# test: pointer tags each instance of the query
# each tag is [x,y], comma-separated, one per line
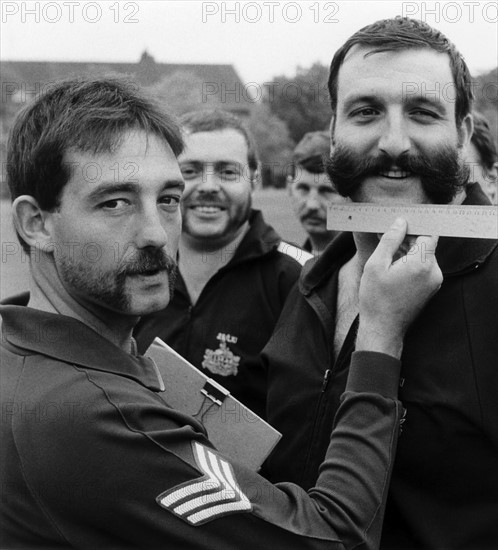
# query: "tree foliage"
[273,143]
[181,92]
[302,101]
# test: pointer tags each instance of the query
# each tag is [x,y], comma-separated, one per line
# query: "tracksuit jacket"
[92,457]
[444,490]
[224,332]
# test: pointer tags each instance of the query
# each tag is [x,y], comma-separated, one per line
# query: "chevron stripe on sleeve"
[214,495]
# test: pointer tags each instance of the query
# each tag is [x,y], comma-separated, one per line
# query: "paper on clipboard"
[233,428]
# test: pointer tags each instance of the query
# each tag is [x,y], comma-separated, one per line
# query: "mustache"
[206,199]
[147,260]
[441,173]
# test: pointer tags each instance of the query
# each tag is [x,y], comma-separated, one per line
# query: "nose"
[150,230]
[209,182]
[312,201]
[394,140]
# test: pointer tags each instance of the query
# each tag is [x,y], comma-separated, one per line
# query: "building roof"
[35,74]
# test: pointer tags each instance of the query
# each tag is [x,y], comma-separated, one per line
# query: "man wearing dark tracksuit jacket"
[235,272]
[236,313]
[395,147]
[92,456]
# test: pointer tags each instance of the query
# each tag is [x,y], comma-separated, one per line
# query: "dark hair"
[85,114]
[216,119]
[483,141]
[401,33]
[314,165]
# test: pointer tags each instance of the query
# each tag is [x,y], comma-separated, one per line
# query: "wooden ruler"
[478,222]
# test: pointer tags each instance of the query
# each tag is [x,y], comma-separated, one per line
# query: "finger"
[425,247]
[391,241]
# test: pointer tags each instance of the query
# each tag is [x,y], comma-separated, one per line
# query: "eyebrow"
[217,163]
[408,99]
[424,100]
[371,99]
[110,187]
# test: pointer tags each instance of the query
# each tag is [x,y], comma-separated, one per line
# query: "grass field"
[275,205]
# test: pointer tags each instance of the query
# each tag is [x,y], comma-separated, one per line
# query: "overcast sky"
[261,39]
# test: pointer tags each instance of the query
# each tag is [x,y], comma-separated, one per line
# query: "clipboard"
[234,429]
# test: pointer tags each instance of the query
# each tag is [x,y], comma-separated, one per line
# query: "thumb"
[391,241]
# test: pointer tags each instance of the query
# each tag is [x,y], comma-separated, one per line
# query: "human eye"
[364,113]
[326,192]
[424,115]
[230,172]
[189,171]
[170,203]
[302,189]
[114,205]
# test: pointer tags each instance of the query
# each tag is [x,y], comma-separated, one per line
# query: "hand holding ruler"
[476,222]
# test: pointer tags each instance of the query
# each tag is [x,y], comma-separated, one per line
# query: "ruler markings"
[479,222]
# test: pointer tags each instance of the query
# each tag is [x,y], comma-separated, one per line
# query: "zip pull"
[325,380]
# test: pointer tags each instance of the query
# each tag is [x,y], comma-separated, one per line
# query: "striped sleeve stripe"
[215,494]
[294,252]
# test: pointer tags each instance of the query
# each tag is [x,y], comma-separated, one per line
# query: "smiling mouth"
[205,209]
[395,174]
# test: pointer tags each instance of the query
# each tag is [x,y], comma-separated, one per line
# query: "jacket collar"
[259,240]
[66,339]
[454,255]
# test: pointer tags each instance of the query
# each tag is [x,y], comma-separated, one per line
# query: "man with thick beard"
[397,141]
[235,272]
[92,455]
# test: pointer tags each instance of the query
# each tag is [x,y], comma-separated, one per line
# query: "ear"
[466,130]
[332,131]
[31,222]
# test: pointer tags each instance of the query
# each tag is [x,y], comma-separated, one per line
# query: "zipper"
[326,379]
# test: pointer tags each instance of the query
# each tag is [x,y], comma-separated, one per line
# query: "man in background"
[235,272]
[311,190]
[396,142]
[483,158]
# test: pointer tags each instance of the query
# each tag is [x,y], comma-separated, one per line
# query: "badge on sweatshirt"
[222,360]
[214,495]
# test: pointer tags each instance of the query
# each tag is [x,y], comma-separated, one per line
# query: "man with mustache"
[483,157]
[92,456]
[401,97]
[235,271]
[311,190]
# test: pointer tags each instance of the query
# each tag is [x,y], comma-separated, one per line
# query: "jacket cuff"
[374,372]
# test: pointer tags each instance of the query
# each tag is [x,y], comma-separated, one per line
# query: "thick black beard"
[441,173]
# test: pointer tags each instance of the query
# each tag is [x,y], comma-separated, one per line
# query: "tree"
[273,143]
[181,92]
[302,101]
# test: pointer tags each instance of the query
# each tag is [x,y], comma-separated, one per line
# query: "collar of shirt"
[66,339]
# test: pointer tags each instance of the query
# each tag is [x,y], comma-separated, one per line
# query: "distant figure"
[483,157]
[234,270]
[311,189]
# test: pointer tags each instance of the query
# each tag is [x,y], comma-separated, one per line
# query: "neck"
[208,252]
[48,293]
[198,261]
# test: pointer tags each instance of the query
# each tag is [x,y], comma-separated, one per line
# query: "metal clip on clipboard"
[213,391]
